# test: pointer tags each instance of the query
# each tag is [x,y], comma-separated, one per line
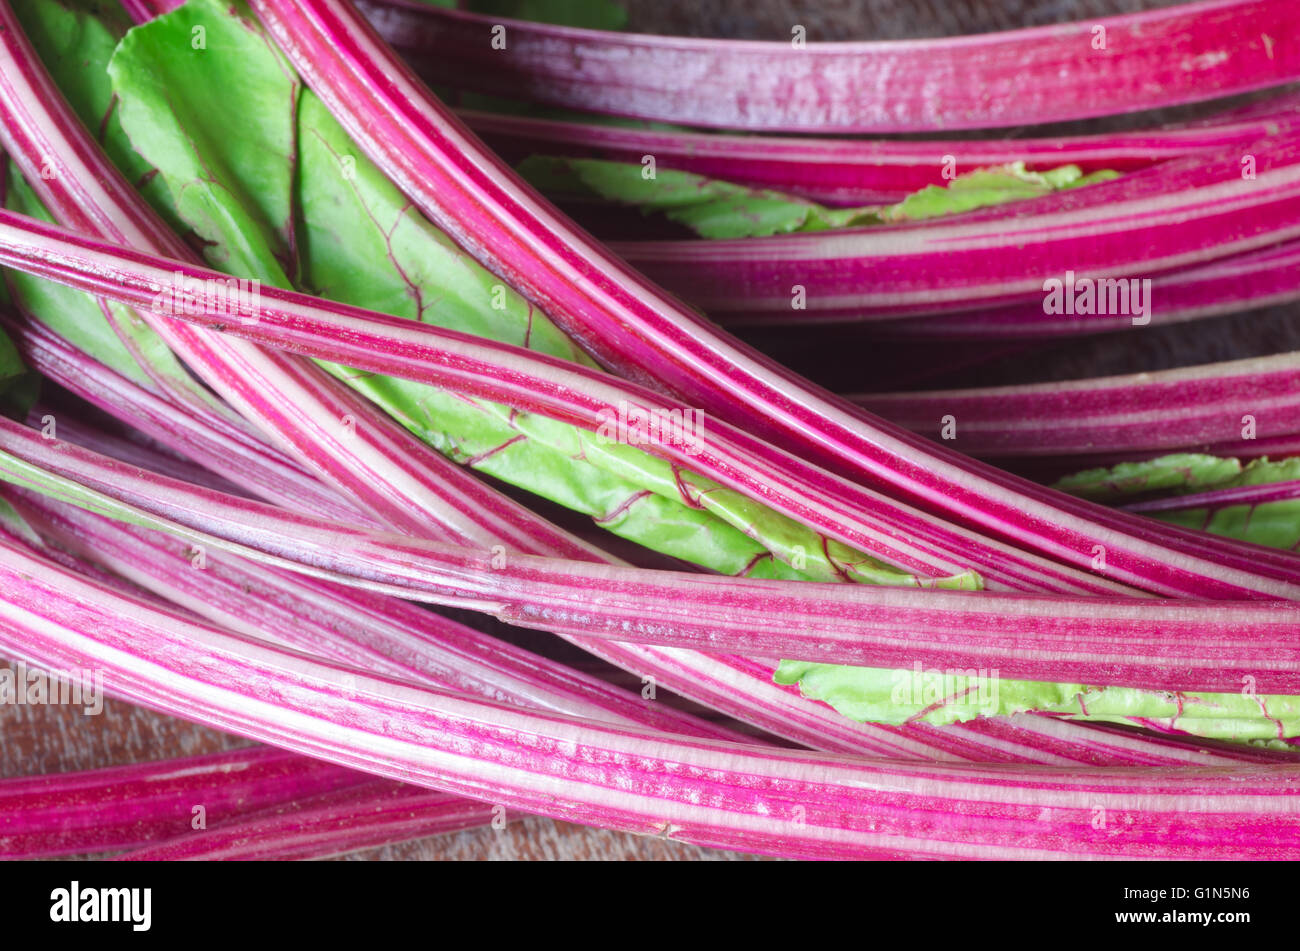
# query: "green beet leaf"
[292,201]
[939,697]
[1184,471]
[713,208]
[900,696]
[75,39]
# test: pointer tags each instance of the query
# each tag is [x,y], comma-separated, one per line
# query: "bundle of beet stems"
[292,362]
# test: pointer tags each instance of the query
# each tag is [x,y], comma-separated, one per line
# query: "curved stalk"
[855,172]
[633,327]
[122,807]
[1161,645]
[708,793]
[1186,53]
[1138,412]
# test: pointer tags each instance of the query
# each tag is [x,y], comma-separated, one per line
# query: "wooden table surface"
[50,739]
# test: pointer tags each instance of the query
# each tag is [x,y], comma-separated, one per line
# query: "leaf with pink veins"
[358,240]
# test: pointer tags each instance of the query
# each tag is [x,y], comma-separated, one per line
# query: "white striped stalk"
[1226,286]
[383,813]
[124,807]
[370,632]
[136,450]
[103,810]
[562,390]
[1030,740]
[383,635]
[634,328]
[708,793]
[868,171]
[738,687]
[245,462]
[1215,499]
[1183,213]
[759,684]
[109,201]
[377,813]
[1136,412]
[336,434]
[1162,645]
[576,395]
[1187,53]
[446,501]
